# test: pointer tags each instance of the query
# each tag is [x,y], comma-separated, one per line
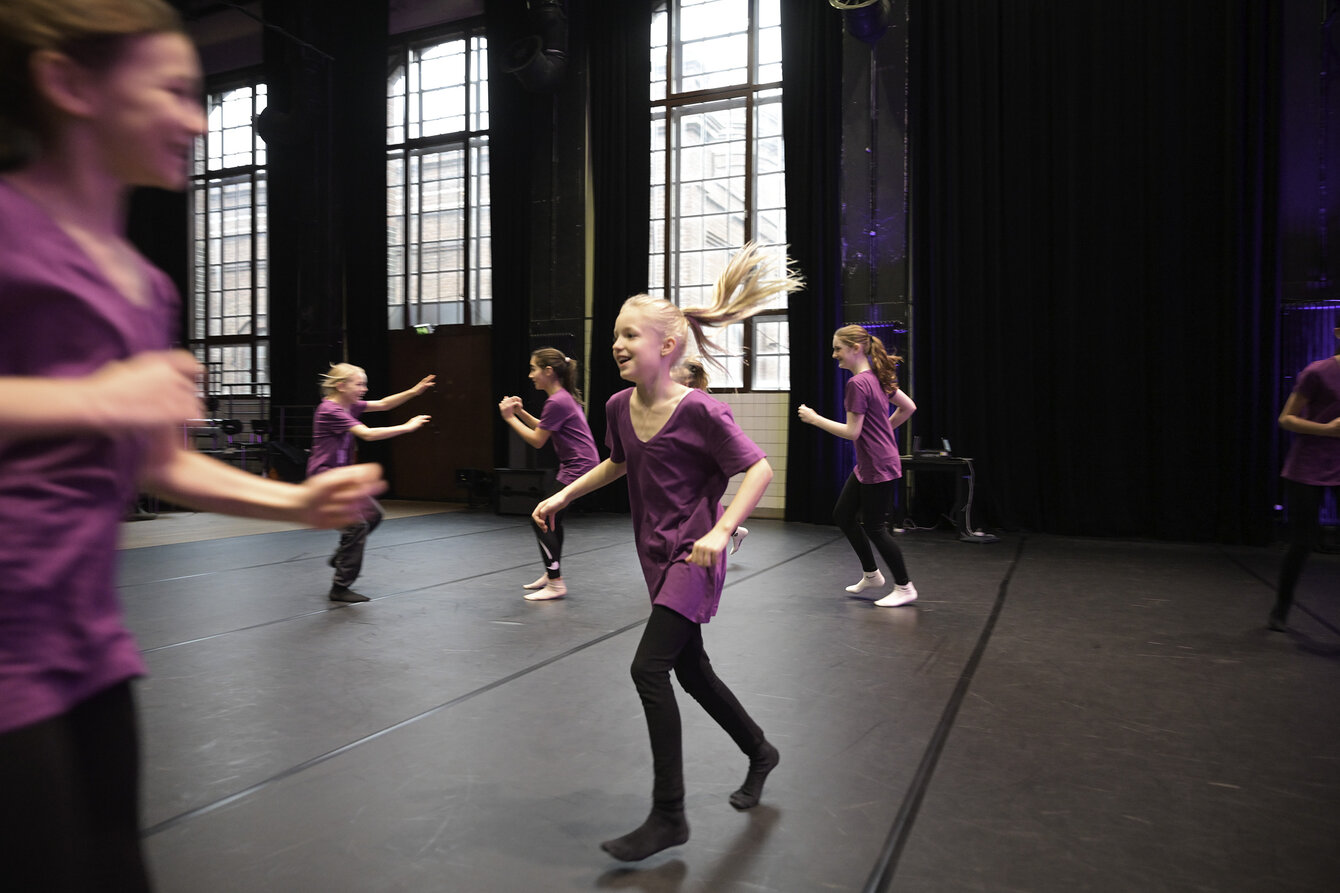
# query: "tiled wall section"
[764,417]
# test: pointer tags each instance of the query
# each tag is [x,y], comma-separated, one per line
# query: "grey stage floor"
[1052,715]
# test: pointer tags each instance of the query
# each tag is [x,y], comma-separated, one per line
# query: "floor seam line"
[881,875]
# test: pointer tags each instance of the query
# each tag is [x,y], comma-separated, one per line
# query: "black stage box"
[518,490]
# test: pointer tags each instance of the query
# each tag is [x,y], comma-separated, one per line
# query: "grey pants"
[348,558]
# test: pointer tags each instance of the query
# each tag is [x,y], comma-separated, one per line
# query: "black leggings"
[871,502]
[551,540]
[1304,501]
[672,641]
[69,800]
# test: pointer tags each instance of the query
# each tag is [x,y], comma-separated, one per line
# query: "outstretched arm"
[363,432]
[331,499]
[849,431]
[150,390]
[606,472]
[395,400]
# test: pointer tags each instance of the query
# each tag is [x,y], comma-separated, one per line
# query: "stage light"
[865,20]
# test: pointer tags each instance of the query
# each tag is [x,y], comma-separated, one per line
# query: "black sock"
[660,831]
[759,767]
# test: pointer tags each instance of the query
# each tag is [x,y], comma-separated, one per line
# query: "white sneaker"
[901,595]
[737,539]
[869,581]
[542,582]
[552,589]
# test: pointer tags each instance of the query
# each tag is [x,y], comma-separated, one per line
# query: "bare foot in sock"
[759,767]
[660,831]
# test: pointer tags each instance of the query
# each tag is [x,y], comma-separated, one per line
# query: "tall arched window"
[228,315]
[439,261]
[717,166]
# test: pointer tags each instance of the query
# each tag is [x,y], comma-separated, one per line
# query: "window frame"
[202,306]
[476,296]
[751,93]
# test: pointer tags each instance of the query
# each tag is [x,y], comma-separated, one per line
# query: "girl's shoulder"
[702,409]
[619,400]
[563,398]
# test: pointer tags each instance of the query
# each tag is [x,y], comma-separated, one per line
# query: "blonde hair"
[740,291]
[338,372]
[882,363]
[92,32]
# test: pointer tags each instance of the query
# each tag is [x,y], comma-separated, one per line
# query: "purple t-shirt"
[62,499]
[1314,459]
[876,450]
[675,483]
[332,440]
[562,417]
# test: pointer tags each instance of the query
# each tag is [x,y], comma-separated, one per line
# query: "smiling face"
[145,110]
[352,389]
[639,347]
[847,355]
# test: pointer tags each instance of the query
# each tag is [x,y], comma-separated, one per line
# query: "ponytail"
[882,363]
[741,291]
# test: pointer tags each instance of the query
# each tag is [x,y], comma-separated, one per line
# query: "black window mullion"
[466,168]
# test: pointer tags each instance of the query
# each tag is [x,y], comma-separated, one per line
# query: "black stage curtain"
[518,122]
[620,176]
[812,133]
[1094,265]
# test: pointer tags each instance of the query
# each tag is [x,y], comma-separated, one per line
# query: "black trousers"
[69,801]
[671,641]
[348,560]
[1304,502]
[870,503]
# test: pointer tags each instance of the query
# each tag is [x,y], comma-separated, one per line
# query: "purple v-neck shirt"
[62,499]
[675,483]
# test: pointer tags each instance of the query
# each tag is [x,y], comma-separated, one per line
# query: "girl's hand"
[149,390]
[708,549]
[507,406]
[417,422]
[337,498]
[806,414]
[425,383]
[545,511]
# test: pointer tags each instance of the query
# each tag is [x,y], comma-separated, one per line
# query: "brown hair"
[91,32]
[693,374]
[740,291]
[564,366]
[882,363]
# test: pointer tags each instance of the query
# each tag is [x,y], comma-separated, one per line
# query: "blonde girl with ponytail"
[562,423]
[862,509]
[678,448]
